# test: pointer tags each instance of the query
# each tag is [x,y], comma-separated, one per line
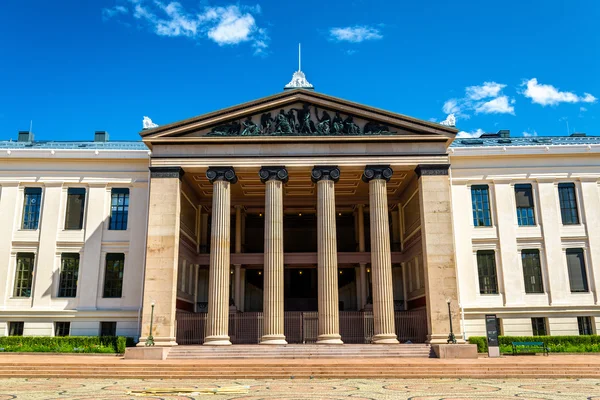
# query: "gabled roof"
[188,126]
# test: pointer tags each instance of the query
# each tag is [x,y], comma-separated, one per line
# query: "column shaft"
[381,264]
[273,265]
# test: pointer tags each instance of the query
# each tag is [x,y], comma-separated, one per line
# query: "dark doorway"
[300,293]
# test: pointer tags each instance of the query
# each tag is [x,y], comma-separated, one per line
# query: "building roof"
[78,145]
[524,141]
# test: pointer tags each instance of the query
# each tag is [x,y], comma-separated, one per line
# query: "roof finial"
[299,79]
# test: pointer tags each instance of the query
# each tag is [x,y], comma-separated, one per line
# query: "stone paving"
[314,389]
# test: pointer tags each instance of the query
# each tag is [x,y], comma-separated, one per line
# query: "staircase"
[300,351]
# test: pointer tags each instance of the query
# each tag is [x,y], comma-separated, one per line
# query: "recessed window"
[568,203]
[16,328]
[62,328]
[585,325]
[532,271]
[24,275]
[480,200]
[538,325]
[113,277]
[69,273]
[524,200]
[486,268]
[31,208]
[577,273]
[108,329]
[119,209]
[75,207]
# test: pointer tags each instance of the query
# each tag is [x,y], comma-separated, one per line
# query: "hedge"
[556,344]
[66,344]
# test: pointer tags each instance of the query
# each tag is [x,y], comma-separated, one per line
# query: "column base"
[273,340]
[329,339]
[385,338]
[441,338]
[217,341]
[158,342]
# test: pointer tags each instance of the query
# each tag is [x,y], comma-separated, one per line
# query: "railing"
[302,327]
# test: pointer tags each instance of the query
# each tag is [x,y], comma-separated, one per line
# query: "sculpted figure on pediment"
[250,128]
[324,125]
[282,123]
[305,123]
[337,126]
[266,123]
[231,129]
[350,128]
[374,128]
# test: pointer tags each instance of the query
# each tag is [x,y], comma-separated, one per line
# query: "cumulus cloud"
[488,89]
[473,134]
[499,105]
[480,99]
[227,25]
[355,34]
[548,95]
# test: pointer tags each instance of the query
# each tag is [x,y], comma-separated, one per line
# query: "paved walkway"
[335,389]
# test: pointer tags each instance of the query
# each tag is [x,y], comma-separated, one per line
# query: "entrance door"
[301,290]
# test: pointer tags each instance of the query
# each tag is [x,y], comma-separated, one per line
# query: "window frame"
[476,210]
[17,292]
[82,212]
[57,331]
[105,289]
[575,204]
[29,225]
[12,324]
[102,330]
[119,220]
[534,328]
[532,207]
[524,253]
[494,276]
[70,280]
[583,269]
[581,326]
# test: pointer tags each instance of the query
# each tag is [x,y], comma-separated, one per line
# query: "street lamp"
[150,339]
[451,337]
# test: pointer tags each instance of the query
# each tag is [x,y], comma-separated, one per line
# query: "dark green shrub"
[556,344]
[67,344]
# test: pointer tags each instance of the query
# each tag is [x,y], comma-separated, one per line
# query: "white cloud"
[449,121]
[451,107]
[354,34]
[227,25]
[499,105]
[549,95]
[473,134]
[529,134]
[488,89]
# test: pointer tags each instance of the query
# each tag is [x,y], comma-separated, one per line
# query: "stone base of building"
[443,339]
[147,353]
[384,338]
[455,350]
[159,342]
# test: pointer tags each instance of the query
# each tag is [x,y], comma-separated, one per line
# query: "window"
[108,329]
[113,277]
[532,271]
[31,208]
[486,267]
[577,273]
[62,328]
[538,325]
[585,325]
[568,203]
[75,207]
[69,272]
[15,328]
[119,209]
[524,199]
[480,199]
[24,275]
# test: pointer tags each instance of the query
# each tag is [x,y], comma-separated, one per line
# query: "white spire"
[299,79]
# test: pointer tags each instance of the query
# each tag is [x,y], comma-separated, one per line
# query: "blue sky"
[75,66]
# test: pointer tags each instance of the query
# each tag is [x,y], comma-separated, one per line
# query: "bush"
[67,344]
[555,344]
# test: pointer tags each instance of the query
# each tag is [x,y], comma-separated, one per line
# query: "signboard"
[491,329]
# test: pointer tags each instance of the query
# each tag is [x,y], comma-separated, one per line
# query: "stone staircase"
[300,351]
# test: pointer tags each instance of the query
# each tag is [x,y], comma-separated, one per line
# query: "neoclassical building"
[299,218]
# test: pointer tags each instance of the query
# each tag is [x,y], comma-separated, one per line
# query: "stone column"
[238,249]
[361,247]
[162,255]
[273,178]
[381,259]
[328,301]
[217,320]
[438,252]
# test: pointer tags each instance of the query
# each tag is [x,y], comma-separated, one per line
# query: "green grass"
[68,344]
[556,344]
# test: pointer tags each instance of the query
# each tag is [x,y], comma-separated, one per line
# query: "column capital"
[166,172]
[325,172]
[377,172]
[269,173]
[432,169]
[221,174]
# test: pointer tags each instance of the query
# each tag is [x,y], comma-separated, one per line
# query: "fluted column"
[237,292]
[273,178]
[381,260]
[361,247]
[329,321]
[217,320]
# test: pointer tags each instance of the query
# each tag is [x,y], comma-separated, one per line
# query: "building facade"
[299,218]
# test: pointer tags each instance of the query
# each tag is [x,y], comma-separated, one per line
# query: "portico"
[299,203]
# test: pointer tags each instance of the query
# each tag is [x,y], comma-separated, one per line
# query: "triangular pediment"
[299,113]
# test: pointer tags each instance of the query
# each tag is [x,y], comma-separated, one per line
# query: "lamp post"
[451,337]
[150,339]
